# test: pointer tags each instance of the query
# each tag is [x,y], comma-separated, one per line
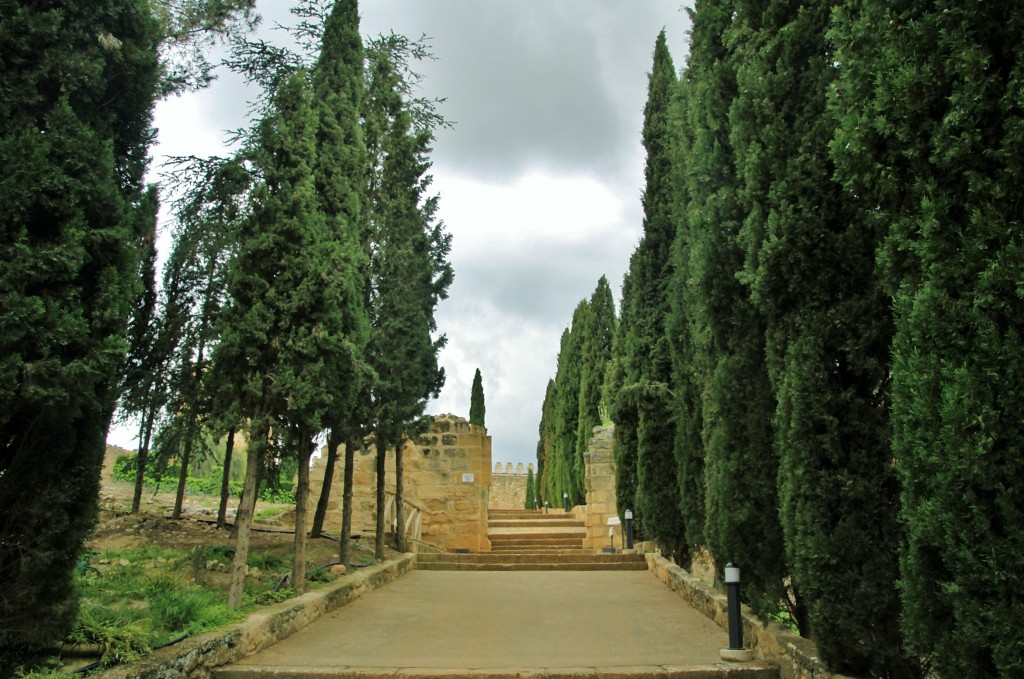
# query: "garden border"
[196,657]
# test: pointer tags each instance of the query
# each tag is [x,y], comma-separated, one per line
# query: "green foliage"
[187,608]
[595,353]
[928,97]
[531,490]
[545,443]
[477,409]
[74,212]
[125,639]
[644,447]
[718,336]
[810,267]
[124,470]
[409,271]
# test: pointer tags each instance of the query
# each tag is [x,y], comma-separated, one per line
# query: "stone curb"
[197,656]
[795,656]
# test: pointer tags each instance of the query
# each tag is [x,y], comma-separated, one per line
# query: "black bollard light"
[565,502]
[629,529]
[546,506]
[732,593]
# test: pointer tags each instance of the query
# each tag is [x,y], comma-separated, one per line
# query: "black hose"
[280,583]
[184,636]
[87,668]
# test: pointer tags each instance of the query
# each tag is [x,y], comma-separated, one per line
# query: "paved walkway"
[497,622]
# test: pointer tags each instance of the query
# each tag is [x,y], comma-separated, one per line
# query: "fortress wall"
[508,486]
[447,478]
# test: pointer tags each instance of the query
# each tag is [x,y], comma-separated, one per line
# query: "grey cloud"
[534,83]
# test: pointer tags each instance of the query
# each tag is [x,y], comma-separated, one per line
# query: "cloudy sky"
[540,178]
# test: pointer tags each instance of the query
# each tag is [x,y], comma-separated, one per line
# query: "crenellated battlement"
[506,469]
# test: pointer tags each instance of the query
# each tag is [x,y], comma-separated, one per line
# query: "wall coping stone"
[196,657]
[795,656]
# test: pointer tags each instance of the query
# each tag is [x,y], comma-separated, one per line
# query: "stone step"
[524,538]
[522,543]
[754,670]
[541,550]
[530,562]
[576,543]
[568,557]
[530,566]
[535,523]
[527,514]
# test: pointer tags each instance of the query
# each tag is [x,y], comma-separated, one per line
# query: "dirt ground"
[152,526]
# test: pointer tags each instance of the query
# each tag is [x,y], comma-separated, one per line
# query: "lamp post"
[565,502]
[629,529]
[735,652]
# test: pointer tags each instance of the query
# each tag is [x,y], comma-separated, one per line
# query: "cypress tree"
[531,490]
[545,443]
[646,397]
[930,135]
[810,265]
[74,134]
[286,326]
[740,463]
[409,271]
[476,400]
[340,169]
[621,412]
[141,393]
[567,409]
[596,352]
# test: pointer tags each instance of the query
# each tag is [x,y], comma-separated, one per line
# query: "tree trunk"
[254,458]
[190,432]
[298,577]
[378,543]
[225,482]
[142,457]
[333,441]
[256,495]
[179,498]
[345,544]
[399,499]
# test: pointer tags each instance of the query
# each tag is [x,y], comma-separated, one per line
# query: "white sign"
[468,478]
[613,521]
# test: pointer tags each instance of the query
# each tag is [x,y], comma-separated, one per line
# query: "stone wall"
[447,478]
[600,487]
[197,657]
[796,657]
[508,486]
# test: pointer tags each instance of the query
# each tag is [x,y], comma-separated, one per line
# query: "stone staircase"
[532,540]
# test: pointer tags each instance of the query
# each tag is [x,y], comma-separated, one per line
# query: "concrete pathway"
[438,623]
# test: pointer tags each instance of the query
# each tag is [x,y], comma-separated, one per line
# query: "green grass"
[134,600]
[269,513]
